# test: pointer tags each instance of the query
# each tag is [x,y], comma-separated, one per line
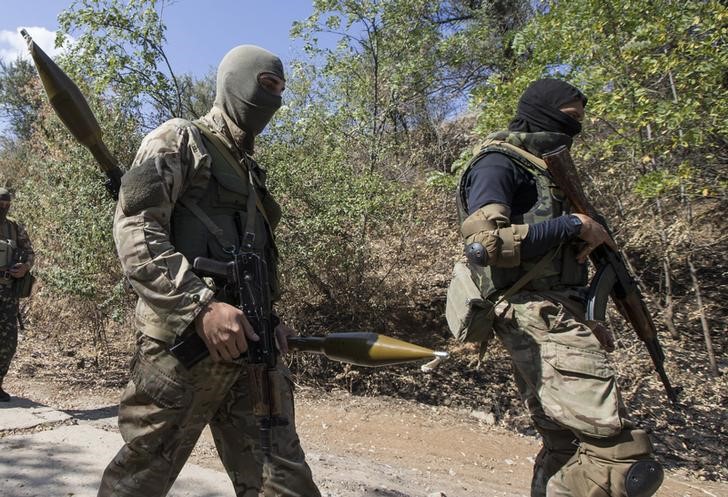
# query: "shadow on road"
[94,414]
[20,402]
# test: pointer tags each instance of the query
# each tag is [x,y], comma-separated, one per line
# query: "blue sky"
[199,32]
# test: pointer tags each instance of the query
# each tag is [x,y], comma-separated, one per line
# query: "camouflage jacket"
[176,161]
[11,229]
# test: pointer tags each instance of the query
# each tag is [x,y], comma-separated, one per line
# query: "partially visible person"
[16,259]
[510,206]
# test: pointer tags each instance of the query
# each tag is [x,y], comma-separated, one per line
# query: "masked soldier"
[193,190]
[16,259]
[509,205]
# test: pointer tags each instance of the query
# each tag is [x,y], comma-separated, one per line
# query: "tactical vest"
[563,270]
[225,204]
[8,244]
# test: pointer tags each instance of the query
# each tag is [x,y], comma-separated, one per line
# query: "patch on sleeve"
[141,188]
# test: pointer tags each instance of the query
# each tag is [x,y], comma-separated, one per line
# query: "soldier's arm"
[25,247]
[494,186]
[170,161]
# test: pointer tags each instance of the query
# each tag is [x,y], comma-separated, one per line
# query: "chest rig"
[562,270]
[8,248]
[212,223]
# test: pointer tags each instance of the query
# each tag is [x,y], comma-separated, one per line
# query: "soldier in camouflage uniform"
[188,195]
[509,205]
[16,259]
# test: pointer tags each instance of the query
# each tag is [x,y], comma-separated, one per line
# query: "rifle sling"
[531,274]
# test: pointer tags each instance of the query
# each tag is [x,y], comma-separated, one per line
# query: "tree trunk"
[703,318]
[668,310]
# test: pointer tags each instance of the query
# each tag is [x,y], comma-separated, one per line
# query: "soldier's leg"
[237,437]
[161,415]
[620,466]
[559,443]
[8,332]
[575,386]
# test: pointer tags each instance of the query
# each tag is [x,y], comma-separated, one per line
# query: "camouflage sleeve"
[170,161]
[25,247]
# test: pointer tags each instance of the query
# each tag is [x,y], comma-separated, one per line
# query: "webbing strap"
[213,228]
[531,274]
[241,169]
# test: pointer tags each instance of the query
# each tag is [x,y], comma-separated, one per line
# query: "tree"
[120,49]
[400,68]
[18,106]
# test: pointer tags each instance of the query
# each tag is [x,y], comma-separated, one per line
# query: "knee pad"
[643,478]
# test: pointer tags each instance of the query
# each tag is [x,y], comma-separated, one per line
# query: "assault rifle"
[613,276]
[246,276]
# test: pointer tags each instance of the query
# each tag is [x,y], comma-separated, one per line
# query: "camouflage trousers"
[164,409]
[8,327]
[570,389]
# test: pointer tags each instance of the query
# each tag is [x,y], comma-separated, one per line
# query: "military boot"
[620,466]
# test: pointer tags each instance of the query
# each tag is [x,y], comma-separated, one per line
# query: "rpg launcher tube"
[72,108]
[363,348]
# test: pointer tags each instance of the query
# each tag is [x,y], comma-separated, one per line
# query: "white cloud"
[12,43]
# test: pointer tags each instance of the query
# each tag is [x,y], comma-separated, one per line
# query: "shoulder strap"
[245,175]
[213,228]
[11,230]
[525,159]
[531,274]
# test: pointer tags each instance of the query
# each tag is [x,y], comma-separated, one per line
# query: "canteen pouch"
[469,315]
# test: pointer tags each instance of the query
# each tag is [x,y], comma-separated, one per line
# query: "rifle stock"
[611,268]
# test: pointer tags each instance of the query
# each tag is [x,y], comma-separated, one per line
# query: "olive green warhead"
[72,108]
[363,348]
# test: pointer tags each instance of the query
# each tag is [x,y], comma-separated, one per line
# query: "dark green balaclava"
[248,104]
[4,196]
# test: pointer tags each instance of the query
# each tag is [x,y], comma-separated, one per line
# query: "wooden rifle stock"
[625,293]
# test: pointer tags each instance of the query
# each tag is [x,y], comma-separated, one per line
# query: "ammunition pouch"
[24,285]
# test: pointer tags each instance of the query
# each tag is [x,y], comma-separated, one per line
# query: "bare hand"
[283,331]
[225,330]
[594,235]
[18,270]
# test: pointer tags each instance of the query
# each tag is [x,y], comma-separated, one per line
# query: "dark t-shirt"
[497,179]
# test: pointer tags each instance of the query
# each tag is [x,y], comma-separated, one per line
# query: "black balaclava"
[4,196]
[239,95]
[538,108]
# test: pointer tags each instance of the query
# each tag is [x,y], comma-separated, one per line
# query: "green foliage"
[18,104]
[69,213]
[400,68]
[335,208]
[119,48]
[654,73]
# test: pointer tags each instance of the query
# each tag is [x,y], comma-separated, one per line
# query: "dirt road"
[380,447]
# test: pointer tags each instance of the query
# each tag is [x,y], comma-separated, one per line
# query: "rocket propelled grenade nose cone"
[363,349]
[72,108]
